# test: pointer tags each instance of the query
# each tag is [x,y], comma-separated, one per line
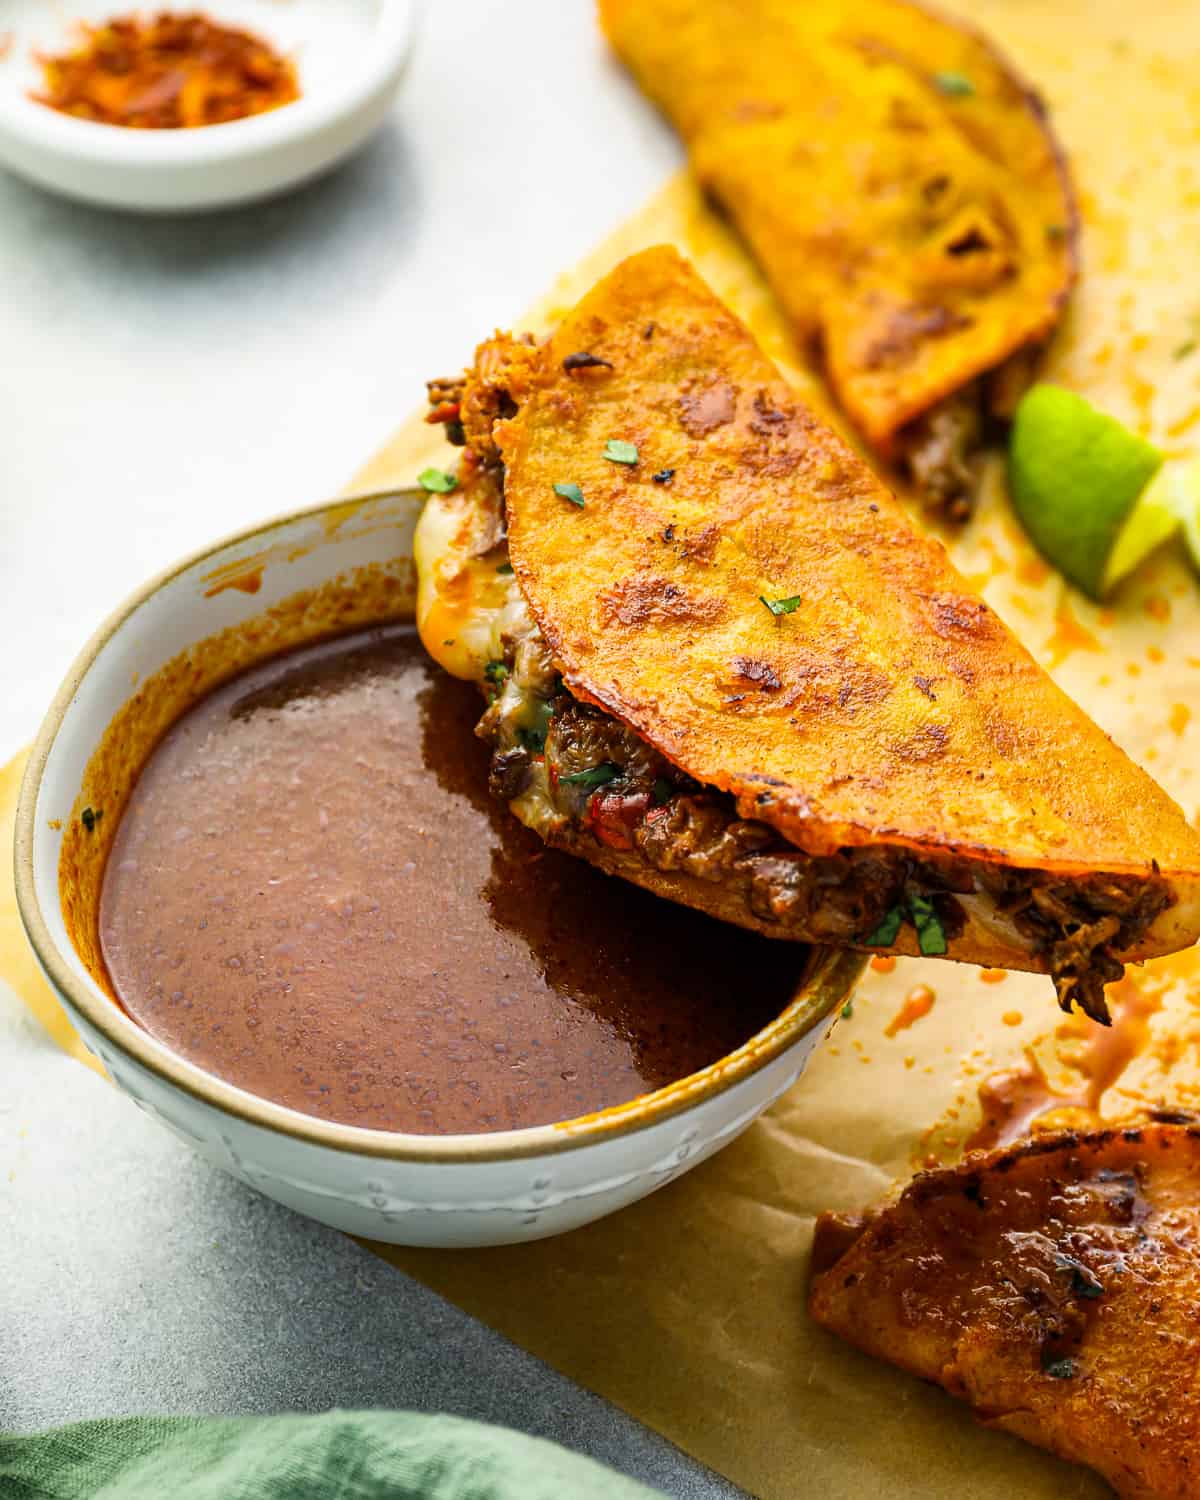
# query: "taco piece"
[899,185]
[725,665]
[1053,1286]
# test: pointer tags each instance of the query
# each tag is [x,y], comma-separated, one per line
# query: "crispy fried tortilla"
[726,666]
[1052,1286]
[899,185]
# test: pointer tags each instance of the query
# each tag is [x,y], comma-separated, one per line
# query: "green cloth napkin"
[339,1455]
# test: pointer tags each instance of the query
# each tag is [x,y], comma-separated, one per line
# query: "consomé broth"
[312,895]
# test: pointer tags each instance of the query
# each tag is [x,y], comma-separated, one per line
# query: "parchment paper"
[687,1309]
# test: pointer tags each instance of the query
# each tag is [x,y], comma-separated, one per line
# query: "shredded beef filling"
[600,781]
[942,449]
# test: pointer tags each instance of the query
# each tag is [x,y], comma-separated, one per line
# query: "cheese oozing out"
[463,597]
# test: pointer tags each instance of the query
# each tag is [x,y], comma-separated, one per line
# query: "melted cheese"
[463,600]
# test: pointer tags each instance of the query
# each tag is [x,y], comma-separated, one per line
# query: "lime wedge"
[1185,499]
[1077,478]
[1154,518]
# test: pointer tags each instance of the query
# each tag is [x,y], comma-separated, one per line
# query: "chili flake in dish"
[168,73]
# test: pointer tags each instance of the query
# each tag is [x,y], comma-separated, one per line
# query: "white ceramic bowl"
[409,1189]
[350,55]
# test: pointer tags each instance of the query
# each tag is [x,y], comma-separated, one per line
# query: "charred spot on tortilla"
[656,601]
[760,673]
[926,249]
[581,360]
[703,411]
[856,750]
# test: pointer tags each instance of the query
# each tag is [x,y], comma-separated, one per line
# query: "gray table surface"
[164,381]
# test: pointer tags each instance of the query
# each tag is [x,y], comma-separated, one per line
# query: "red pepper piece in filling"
[612,816]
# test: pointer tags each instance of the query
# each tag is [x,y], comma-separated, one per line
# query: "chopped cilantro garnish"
[617,451]
[847,1010]
[436,481]
[90,816]
[595,776]
[505,568]
[1185,349]
[533,736]
[781,606]
[662,791]
[570,492]
[885,934]
[931,935]
[1058,1369]
[496,672]
[956,85]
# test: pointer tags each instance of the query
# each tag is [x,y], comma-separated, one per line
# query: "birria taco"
[900,187]
[723,664]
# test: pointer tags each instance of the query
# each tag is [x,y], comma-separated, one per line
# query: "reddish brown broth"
[312,895]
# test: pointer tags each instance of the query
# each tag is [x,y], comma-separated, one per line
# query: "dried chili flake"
[585,361]
[167,73]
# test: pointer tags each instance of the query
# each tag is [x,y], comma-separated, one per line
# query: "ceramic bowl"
[342,565]
[350,55]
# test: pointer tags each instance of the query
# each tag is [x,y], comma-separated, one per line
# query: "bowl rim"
[97,143]
[825,983]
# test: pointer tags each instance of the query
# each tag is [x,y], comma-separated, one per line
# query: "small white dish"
[349,55]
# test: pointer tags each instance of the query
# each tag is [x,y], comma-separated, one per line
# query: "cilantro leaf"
[436,481]
[595,776]
[781,606]
[617,451]
[885,934]
[954,85]
[570,492]
[662,791]
[931,935]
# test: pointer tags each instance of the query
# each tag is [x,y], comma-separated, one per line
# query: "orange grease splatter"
[1015,1099]
[883,963]
[1181,717]
[1069,635]
[993,976]
[1012,1017]
[1181,425]
[1158,608]
[918,1003]
[248,582]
